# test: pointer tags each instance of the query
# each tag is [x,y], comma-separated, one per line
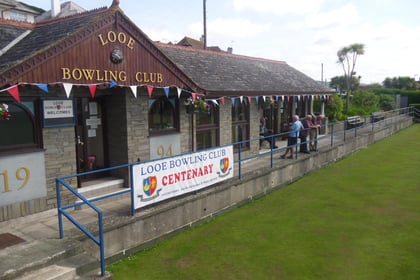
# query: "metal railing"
[63,210]
[332,131]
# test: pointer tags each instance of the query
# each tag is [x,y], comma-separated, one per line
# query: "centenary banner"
[162,179]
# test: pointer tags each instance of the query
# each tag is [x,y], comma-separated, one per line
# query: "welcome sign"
[163,179]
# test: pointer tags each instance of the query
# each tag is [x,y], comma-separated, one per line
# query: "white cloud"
[232,28]
[279,7]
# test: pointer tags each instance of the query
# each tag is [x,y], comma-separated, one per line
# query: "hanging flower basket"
[195,107]
[4,112]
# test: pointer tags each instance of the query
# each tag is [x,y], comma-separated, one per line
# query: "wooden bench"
[354,121]
[377,116]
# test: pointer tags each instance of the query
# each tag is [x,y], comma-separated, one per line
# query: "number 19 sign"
[162,179]
[22,178]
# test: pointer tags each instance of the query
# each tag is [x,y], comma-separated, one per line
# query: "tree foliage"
[339,83]
[386,102]
[364,103]
[334,108]
[400,83]
[347,57]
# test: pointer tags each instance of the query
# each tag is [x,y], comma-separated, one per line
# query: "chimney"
[55,8]
[229,49]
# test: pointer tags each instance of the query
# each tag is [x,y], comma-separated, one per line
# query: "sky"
[307,34]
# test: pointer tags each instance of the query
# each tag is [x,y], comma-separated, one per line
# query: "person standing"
[312,127]
[303,135]
[267,133]
[292,137]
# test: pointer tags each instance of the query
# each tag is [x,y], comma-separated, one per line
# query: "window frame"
[175,113]
[34,118]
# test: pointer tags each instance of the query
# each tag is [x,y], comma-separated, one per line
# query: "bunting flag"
[112,83]
[134,90]
[256,99]
[214,101]
[166,90]
[223,100]
[263,97]
[241,98]
[43,87]
[194,96]
[67,89]
[150,90]
[14,91]
[179,92]
[92,89]
[233,101]
[249,99]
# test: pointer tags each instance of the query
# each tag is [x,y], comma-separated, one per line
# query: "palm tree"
[347,57]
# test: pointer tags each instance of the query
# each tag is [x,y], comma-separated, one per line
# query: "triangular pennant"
[215,102]
[288,98]
[43,87]
[67,88]
[223,100]
[14,91]
[277,98]
[92,89]
[249,99]
[166,90]
[263,98]
[233,101]
[149,90]
[112,83]
[241,98]
[179,92]
[256,99]
[194,96]
[134,90]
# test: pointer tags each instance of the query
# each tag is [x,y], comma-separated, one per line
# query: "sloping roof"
[222,72]
[30,58]
[10,30]
[16,5]
[45,35]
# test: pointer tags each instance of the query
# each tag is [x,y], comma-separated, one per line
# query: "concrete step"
[82,263]
[52,272]
[102,187]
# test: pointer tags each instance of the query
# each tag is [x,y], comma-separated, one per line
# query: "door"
[90,143]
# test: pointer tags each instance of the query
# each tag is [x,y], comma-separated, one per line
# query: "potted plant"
[4,112]
[195,106]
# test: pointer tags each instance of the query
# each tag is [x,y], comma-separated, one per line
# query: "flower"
[194,106]
[4,113]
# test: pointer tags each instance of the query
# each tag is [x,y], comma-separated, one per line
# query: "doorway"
[90,140]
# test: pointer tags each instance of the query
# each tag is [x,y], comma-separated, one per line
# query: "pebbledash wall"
[151,225]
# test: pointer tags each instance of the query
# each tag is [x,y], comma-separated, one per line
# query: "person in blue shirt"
[293,137]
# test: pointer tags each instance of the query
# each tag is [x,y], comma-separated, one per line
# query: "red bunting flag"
[92,89]
[150,90]
[223,100]
[194,96]
[14,91]
[249,99]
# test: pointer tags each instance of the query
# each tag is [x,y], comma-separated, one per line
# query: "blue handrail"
[60,181]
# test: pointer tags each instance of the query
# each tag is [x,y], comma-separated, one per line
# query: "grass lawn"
[356,219]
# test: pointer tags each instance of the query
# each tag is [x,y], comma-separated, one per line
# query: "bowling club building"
[91,91]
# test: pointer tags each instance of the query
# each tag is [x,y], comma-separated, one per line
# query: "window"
[14,15]
[20,131]
[162,114]
[240,123]
[207,133]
